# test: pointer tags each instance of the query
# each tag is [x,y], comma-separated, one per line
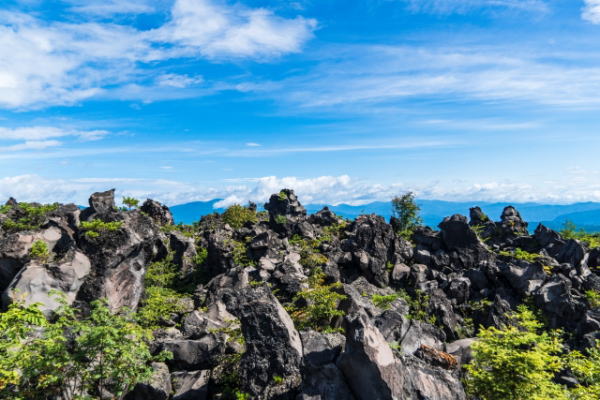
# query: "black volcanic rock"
[406,302]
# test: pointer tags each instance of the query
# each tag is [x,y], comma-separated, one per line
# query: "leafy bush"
[239,253]
[237,216]
[587,371]
[384,301]
[282,195]
[418,306]
[68,357]
[39,251]
[516,362]
[281,219]
[163,293]
[322,303]
[570,231]
[96,227]
[520,254]
[130,202]
[406,213]
[157,304]
[593,298]
[27,216]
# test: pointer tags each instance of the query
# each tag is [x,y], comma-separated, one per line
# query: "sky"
[343,101]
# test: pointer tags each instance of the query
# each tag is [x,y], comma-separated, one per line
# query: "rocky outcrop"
[403,329]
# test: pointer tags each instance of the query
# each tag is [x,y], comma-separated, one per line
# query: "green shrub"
[516,362]
[384,301]
[237,216]
[239,253]
[520,254]
[570,231]
[39,251]
[96,227]
[157,304]
[593,298]
[587,371]
[28,216]
[201,256]
[67,356]
[281,219]
[322,303]
[418,306]
[282,195]
[406,212]
[130,202]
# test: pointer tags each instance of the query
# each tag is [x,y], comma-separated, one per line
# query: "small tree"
[406,214]
[516,362]
[69,357]
[237,216]
[130,202]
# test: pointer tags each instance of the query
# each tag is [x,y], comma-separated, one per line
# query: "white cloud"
[31,145]
[40,133]
[216,29]
[318,190]
[178,81]
[369,76]
[591,11]
[463,6]
[61,63]
[253,144]
[105,8]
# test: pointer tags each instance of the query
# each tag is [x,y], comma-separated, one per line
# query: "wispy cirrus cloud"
[88,58]
[463,6]
[370,76]
[42,133]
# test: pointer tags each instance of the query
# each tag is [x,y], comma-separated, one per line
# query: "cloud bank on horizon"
[186,100]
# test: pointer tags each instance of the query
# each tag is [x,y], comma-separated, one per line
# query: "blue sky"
[344,101]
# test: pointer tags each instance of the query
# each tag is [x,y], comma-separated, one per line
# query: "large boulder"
[285,204]
[35,282]
[371,369]
[157,388]
[158,212]
[273,345]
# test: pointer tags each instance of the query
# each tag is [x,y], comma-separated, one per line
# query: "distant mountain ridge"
[584,215]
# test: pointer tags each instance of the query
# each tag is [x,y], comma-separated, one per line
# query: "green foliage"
[516,362]
[310,255]
[130,202]
[278,379]
[322,303]
[281,219]
[282,195]
[570,231]
[418,305]
[97,228]
[593,298]
[71,357]
[520,254]
[239,253]
[406,211]
[201,256]
[587,371]
[384,301]
[39,251]
[161,296]
[237,216]
[28,216]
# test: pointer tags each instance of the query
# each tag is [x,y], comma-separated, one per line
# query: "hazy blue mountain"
[584,215]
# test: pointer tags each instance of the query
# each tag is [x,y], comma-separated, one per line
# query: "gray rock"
[368,364]
[190,385]
[159,387]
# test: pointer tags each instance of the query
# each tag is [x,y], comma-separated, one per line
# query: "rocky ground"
[404,312]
